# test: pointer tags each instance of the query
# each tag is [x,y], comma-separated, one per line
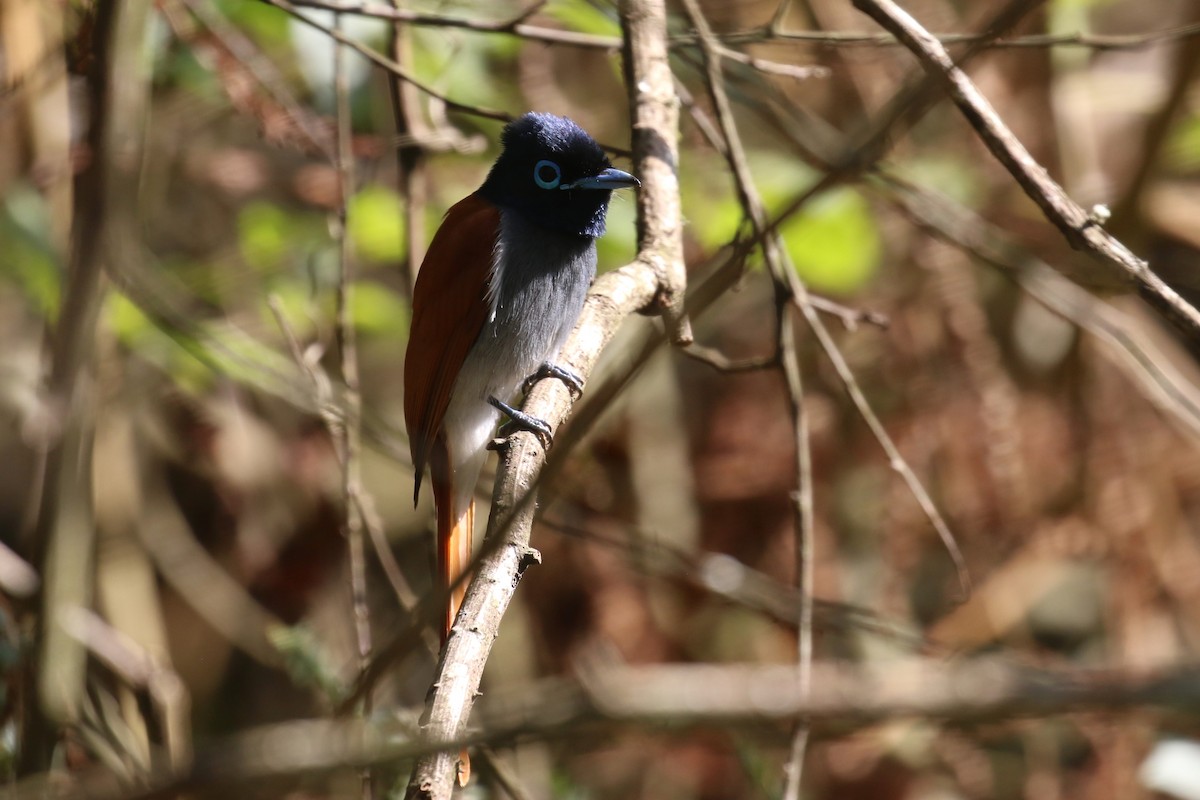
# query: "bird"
[501,286]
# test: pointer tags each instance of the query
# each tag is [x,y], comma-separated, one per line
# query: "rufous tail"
[455,529]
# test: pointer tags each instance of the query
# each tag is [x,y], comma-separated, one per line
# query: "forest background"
[916,515]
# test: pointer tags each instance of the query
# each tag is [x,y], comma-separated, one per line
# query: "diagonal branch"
[654,280]
[1080,229]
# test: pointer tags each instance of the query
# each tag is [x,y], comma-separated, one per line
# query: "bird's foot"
[520,421]
[572,379]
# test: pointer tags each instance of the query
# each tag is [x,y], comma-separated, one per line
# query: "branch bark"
[655,280]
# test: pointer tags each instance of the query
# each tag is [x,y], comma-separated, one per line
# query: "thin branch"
[386,63]
[59,538]
[726,578]
[789,363]
[1095,41]
[850,317]
[1079,228]
[845,697]
[1092,41]
[1161,382]
[804,523]
[895,459]
[515,26]
[411,131]
[794,71]
[140,671]
[723,363]
[349,442]
[651,87]
[247,54]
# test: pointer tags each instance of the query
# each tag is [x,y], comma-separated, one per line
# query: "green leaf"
[375,224]
[26,254]
[126,319]
[299,307]
[264,235]
[471,71]
[175,355]
[1060,5]
[266,24]
[834,243]
[618,245]
[584,17]
[1183,145]
[378,310]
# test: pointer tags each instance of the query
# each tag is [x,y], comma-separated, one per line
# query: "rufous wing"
[449,310]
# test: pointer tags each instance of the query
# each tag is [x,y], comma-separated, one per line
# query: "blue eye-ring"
[541,168]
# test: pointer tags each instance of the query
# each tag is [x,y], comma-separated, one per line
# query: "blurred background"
[171,496]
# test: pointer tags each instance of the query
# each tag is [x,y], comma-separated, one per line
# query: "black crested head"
[554,174]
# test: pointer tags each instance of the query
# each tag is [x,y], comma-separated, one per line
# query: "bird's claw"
[570,378]
[520,421]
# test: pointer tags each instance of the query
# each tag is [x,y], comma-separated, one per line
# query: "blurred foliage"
[834,243]
[25,254]
[306,662]
[1074,496]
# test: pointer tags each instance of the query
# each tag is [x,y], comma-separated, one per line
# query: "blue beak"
[608,179]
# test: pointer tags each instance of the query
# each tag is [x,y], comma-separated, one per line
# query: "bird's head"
[555,175]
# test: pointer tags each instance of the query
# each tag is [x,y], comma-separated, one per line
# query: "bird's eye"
[546,174]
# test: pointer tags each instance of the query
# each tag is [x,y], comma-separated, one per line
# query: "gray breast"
[539,282]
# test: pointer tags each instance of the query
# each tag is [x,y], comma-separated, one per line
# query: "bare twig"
[1079,228]
[803,521]
[850,317]
[895,459]
[515,26]
[386,63]
[410,156]
[331,416]
[727,578]
[59,538]
[1095,41]
[722,363]
[241,48]
[349,442]
[141,672]
[845,697]
[976,236]
[789,363]
[794,71]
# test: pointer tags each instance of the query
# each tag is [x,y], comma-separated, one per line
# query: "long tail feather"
[455,530]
